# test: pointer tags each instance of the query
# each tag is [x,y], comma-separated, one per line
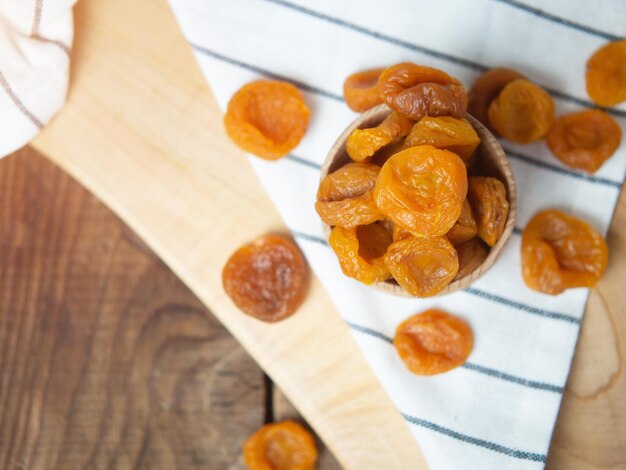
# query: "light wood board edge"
[141,131]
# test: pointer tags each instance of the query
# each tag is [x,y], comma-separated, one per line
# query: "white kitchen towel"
[35,41]
[499,409]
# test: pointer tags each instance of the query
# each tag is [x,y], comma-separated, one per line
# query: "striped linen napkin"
[499,409]
[35,40]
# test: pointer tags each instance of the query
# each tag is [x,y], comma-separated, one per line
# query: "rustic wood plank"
[106,359]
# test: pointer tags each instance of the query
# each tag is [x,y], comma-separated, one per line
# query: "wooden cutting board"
[142,131]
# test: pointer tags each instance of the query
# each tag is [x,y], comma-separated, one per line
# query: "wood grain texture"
[106,359]
[141,130]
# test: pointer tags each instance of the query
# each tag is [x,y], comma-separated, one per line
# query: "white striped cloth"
[498,410]
[35,40]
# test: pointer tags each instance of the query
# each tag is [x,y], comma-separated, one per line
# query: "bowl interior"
[490,161]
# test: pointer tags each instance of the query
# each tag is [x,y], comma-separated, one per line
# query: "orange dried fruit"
[464,228]
[267,118]
[471,254]
[490,207]
[345,197]
[433,342]
[360,251]
[422,266]
[362,144]
[385,153]
[360,90]
[286,445]
[398,233]
[455,135]
[584,140]
[403,76]
[523,112]
[560,251]
[421,189]
[267,279]
[416,91]
[486,88]
[606,74]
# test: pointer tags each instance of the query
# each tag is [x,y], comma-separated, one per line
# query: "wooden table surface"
[106,360]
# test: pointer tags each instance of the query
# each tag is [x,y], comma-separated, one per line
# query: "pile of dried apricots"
[405,209]
[413,205]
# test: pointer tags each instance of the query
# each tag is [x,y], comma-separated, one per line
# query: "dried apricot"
[490,207]
[385,153]
[398,233]
[471,254]
[422,266]
[523,112]
[606,74]
[267,118]
[360,90]
[560,251]
[433,342]
[286,445]
[455,135]
[422,189]
[403,76]
[464,228]
[362,144]
[584,140]
[345,197]
[486,88]
[360,251]
[416,91]
[267,279]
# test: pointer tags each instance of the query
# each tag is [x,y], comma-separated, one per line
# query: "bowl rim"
[373,117]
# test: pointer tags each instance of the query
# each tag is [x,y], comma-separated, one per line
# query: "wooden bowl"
[492,162]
